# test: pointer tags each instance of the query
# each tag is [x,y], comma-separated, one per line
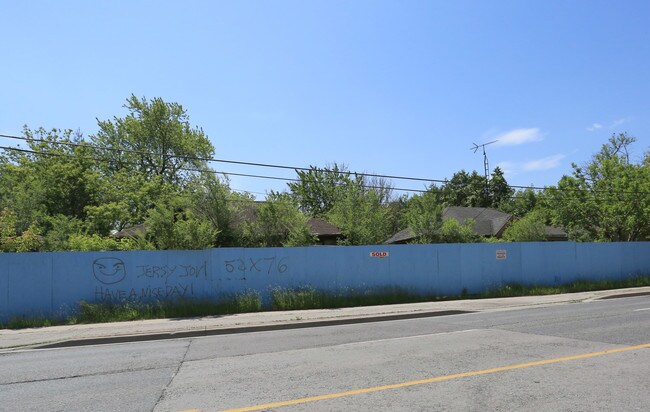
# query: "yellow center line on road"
[436,379]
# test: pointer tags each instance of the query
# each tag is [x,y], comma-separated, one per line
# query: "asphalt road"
[583,356]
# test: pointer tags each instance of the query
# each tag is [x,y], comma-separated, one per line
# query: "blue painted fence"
[51,284]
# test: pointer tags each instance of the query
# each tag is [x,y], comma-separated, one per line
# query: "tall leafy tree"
[155,138]
[530,228]
[359,205]
[56,174]
[523,202]
[500,193]
[277,222]
[148,156]
[362,217]
[424,216]
[226,210]
[607,199]
[174,224]
[318,190]
[465,189]
[469,190]
[149,165]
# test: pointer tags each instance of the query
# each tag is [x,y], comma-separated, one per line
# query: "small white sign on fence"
[502,254]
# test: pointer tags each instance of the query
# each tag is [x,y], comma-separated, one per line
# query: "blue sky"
[391,87]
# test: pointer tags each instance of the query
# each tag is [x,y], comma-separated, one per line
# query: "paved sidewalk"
[247,322]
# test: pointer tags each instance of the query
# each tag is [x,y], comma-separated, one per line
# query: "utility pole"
[486,166]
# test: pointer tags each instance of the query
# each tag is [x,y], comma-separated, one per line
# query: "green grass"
[311,298]
[295,299]
[127,311]
[22,322]
[91,312]
[513,290]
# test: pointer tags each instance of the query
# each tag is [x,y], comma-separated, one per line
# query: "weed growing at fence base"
[311,298]
[22,322]
[295,299]
[91,312]
[515,289]
[126,311]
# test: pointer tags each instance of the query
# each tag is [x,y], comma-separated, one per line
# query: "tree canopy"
[154,139]
[606,199]
[469,190]
[150,170]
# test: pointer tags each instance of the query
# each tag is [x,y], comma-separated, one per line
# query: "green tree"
[424,216]
[126,200]
[318,190]
[148,155]
[212,198]
[465,189]
[362,217]
[469,190]
[452,231]
[174,225]
[277,222]
[530,228]
[79,242]
[60,229]
[10,241]
[523,202]
[607,199]
[55,175]
[154,139]
[358,204]
[500,192]
[149,165]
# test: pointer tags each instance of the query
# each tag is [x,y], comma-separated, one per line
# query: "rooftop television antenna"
[485,164]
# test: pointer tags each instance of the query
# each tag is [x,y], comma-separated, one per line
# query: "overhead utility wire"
[185,169]
[597,200]
[210,159]
[295,168]
[444,182]
[601,200]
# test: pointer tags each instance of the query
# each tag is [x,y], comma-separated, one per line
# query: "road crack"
[180,364]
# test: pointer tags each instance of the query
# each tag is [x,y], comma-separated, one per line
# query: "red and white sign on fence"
[502,254]
[379,255]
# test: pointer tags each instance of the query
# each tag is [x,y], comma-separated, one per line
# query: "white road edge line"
[408,337]
[9,351]
[639,310]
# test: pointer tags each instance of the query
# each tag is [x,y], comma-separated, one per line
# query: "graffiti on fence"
[177,280]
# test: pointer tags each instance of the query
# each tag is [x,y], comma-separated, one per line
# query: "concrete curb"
[159,329]
[246,329]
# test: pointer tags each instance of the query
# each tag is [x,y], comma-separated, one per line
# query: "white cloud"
[519,136]
[546,163]
[550,162]
[594,127]
[619,122]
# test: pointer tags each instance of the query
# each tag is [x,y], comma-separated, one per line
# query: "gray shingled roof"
[132,232]
[402,236]
[555,232]
[319,227]
[487,222]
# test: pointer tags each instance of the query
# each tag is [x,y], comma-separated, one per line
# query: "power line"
[16,149]
[444,182]
[238,162]
[591,195]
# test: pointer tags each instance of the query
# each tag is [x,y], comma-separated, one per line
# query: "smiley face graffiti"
[109,270]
